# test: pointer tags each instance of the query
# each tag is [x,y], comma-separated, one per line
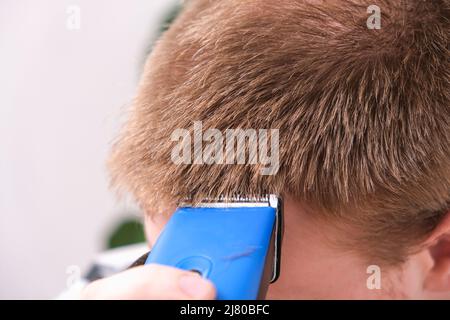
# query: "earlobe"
[438,277]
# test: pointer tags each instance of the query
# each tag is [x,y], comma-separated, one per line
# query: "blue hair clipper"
[235,242]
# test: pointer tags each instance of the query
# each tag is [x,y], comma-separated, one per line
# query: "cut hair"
[363,114]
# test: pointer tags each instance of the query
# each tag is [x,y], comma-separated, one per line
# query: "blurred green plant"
[172,15]
[128,231]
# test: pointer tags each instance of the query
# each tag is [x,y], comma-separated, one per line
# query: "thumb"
[195,287]
[152,282]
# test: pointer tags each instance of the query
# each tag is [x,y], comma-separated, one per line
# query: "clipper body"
[235,243]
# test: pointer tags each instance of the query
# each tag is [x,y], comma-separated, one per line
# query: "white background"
[63,96]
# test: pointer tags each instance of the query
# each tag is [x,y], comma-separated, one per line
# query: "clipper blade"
[234,201]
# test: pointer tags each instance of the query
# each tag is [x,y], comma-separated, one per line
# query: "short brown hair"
[363,114]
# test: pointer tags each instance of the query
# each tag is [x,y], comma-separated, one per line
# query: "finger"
[152,282]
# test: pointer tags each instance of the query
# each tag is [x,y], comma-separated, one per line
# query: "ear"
[438,247]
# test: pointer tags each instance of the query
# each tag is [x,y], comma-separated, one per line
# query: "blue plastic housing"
[226,245]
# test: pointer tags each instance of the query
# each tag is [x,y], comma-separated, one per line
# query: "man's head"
[363,119]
